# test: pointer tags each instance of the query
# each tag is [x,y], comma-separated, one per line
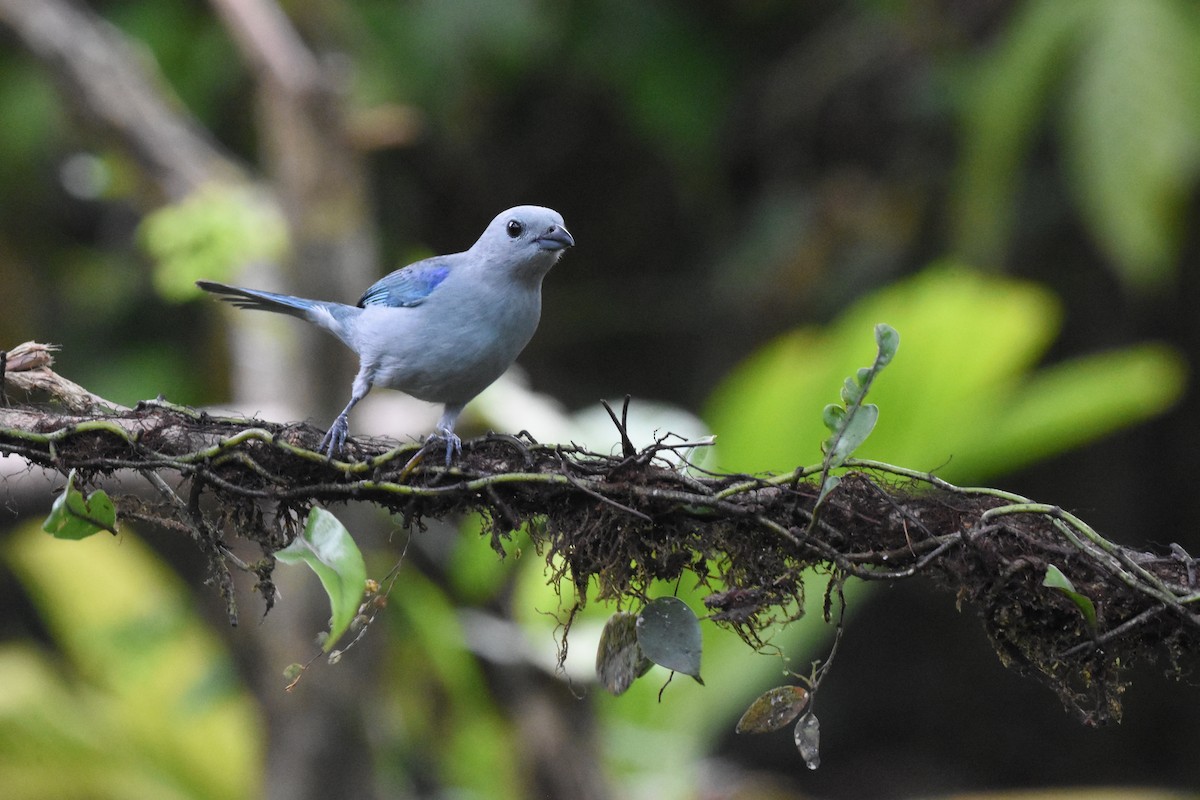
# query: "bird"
[441,329]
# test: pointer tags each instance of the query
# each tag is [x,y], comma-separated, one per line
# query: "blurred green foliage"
[136,700]
[1120,84]
[964,399]
[447,720]
[192,50]
[26,140]
[208,235]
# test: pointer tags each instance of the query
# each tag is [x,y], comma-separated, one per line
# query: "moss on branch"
[618,523]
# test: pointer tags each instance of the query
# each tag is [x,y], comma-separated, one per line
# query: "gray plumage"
[442,329]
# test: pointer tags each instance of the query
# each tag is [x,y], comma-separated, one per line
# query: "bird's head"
[529,239]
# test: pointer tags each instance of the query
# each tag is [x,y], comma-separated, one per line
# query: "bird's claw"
[453,443]
[335,439]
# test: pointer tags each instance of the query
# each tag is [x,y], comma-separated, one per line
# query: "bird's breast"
[448,351]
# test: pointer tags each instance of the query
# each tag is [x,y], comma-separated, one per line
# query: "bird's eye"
[514,228]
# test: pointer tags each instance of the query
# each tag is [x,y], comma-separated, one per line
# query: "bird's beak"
[557,238]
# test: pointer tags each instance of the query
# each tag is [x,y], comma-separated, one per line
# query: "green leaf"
[832,416]
[1104,391]
[853,432]
[73,516]
[968,395]
[852,389]
[808,740]
[1132,132]
[1122,80]
[328,549]
[1055,579]
[619,659]
[851,426]
[828,485]
[773,709]
[887,339]
[669,634]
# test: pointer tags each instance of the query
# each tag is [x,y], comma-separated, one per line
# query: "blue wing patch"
[408,286]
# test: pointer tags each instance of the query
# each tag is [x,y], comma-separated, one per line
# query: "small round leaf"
[619,659]
[669,635]
[808,740]
[773,709]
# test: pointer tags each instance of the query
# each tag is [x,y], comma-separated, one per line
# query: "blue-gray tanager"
[441,329]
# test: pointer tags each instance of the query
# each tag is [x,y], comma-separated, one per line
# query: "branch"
[26,368]
[622,522]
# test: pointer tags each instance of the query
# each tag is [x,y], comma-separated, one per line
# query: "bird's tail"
[258,300]
[337,318]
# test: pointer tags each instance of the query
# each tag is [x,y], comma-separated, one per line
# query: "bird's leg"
[335,439]
[445,430]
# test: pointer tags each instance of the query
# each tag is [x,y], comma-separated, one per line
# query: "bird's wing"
[408,286]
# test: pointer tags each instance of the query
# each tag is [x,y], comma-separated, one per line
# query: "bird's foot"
[453,443]
[335,439]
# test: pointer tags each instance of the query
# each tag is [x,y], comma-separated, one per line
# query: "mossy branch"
[617,523]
